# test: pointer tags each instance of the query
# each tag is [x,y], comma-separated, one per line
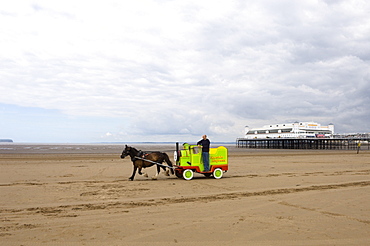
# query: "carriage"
[189,161]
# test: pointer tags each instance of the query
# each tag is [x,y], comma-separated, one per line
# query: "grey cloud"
[208,70]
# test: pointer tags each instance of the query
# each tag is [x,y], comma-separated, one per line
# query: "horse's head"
[126,152]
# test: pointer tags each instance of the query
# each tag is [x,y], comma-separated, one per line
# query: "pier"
[303,143]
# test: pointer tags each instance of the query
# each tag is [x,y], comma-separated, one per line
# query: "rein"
[167,150]
[136,157]
[139,155]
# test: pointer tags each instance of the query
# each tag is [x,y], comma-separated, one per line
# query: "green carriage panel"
[191,156]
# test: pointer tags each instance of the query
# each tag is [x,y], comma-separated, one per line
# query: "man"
[204,144]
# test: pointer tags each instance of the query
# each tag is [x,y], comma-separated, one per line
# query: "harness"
[140,155]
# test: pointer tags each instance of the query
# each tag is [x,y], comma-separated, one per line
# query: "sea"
[92,148]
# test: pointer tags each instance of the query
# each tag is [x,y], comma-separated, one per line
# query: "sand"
[61,196]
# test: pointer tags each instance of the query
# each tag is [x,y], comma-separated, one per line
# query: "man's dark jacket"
[205,143]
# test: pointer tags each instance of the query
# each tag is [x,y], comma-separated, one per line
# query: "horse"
[139,158]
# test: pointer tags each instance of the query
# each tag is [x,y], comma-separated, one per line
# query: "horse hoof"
[154,178]
[167,173]
[130,179]
[146,175]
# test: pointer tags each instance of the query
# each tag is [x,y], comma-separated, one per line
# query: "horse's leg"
[140,168]
[168,161]
[156,174]
[133,173]
[145,173]
[161,160]
[166,171]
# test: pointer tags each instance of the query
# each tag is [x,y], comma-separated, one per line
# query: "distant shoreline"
[2,140]
[89,148]
[106,148]
[112,143]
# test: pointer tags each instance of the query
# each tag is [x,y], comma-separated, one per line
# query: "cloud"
[170,68]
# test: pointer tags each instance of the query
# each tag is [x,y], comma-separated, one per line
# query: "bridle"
[130,151]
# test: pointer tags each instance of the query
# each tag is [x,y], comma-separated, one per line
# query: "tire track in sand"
[64,210]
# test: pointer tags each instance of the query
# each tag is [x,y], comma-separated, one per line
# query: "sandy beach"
[80,195]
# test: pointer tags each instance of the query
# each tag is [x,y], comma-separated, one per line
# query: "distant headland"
[6,140]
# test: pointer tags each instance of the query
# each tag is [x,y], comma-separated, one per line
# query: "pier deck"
[303,143]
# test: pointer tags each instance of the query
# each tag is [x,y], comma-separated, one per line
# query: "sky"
[77,71]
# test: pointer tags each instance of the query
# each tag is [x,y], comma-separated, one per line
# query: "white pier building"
[291,130]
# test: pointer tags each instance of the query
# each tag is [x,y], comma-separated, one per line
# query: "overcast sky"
[101,71]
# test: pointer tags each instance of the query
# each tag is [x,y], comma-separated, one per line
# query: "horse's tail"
[168,161]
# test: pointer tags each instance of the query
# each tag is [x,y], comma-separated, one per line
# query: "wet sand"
[59,196]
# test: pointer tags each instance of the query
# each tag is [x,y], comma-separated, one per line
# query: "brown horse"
[142,160]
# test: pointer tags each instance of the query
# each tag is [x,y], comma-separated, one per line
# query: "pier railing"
[304,143]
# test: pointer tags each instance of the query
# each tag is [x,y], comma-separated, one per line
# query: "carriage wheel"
[188,174]
[217,173]
[178,174]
